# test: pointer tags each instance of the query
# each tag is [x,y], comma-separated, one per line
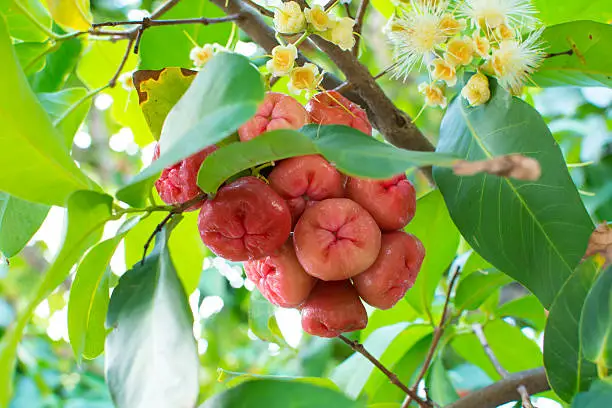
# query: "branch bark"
[505,390]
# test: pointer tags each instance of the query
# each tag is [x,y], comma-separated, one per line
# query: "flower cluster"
[485,36]
[290,19]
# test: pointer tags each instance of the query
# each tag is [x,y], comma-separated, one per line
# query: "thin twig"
[329,4]
[262,10]
[345,86]
[357,347]
[157,230]
[557,54]
[347,8]
[363,6]
[438,332]
[525,398]
[148,22]
[477,329]
[126,55]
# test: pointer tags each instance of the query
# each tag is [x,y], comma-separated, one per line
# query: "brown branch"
[126,55]
[148,22]
[363,6]
[347,9]
[262,10]
[438,332]
[505,390]
[357,347]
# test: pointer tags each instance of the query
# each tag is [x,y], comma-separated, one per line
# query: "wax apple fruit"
[302,180]
[336,239]
[246,220]
[331,108]
[280,277]
[395,270]
[178,183]
[392,202]
[333,308]
[277,111]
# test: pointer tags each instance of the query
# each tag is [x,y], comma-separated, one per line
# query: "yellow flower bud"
[289,19]
[283,59]
[305,78]
[341,33]
[201,55]
[477,91]
[481,45]
[459,51]
[444,71]
[451,26]
[503,32]
[433,95]
[318,18]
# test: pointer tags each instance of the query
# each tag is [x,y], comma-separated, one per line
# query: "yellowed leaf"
[71,14]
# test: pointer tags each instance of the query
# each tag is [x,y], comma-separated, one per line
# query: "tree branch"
[357,347]
[505,390]
[363,6]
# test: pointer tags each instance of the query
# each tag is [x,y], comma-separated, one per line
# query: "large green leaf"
[87,212]
[262,321]
[590,62]
[27,20]
[521,227]
[527,308]
[58,67]
[232,379]
[175,40]
[158,91]
[598,396]
[280,394]
[151,355]
[37,166]
[89,296]
[567,370]
[555,12]
[596,322]
[223,96]
[31,55]
[71,14]
[19,220]
[477,287]
[433,226]
[58,106]
[439,384]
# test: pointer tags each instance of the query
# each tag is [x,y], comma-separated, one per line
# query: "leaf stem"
[78,103]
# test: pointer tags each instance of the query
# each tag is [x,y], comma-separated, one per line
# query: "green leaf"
[555,12]
[262,321]
[280,394]
[232,379]
[401,312]
[57,105]
[477,287]
[87,211]
[151,355]
[384,7]
[473,263]
[223,96]
[19,220]
[518,226]
[58,67]
[589,64]
[71,14]
[596,322]
[175,41]
[523,355]
[566,368]
[31,56]
[598,396]
[358,154]
[158,91]
[27,20]
[439,385]
[41,170]
[527,308]
[89,297]
[433,226]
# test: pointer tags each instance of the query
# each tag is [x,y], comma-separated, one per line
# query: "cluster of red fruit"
[311,238]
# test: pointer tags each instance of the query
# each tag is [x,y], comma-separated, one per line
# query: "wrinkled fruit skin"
[336,239]
[178,183]
[280,277]
[246,220]
[395,270]
[277,111]
[306,179]
[392,202]
[324,110]
[333,308]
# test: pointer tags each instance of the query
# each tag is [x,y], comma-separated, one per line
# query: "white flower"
[318,18]
[514,61]
[415,34]
[201,55]
[127,80]
[434,96]
[283,59]
[289,18]
[443,71]
[492,13]
[306,78]
[341,33]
